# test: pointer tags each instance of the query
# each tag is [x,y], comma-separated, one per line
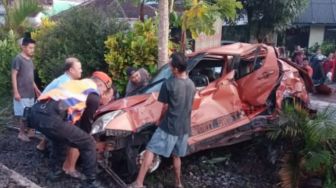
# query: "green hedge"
[136,48]
[8,50]
[81,33]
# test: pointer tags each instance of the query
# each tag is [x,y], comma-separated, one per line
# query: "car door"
[217,109]
[258,72]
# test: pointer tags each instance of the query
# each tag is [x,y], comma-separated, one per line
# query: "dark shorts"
[166,144]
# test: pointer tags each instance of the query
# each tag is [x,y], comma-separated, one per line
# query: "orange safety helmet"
[103,77]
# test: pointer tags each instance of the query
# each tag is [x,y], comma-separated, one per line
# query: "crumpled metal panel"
[147,111]
[255,88]
[122,103]
[291,86]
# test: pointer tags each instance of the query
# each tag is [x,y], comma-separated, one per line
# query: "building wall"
[316,34]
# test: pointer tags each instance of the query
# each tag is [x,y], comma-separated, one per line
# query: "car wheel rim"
[155,164]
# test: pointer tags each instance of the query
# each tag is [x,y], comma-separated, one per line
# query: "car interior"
[206,71]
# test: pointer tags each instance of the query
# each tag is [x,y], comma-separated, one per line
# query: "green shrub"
[81,33]
[137,48]
[326,47]
[8,50]
[309,143]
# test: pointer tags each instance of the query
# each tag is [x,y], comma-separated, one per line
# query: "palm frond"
[291,123]
[317,160]
[21,10]
[323,127]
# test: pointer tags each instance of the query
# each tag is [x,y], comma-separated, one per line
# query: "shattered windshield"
[156,82]
[165,73]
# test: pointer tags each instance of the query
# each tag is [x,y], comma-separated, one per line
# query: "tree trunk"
[163,32]
[142,10]
[171,6]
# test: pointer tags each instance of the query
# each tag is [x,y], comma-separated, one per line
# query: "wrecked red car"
[240,87]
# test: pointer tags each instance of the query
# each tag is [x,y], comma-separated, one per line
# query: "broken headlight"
[100,124]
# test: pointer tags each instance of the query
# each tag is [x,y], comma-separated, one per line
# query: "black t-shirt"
[179,95]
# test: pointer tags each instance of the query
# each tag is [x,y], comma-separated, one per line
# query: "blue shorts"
[21,104]
[166,144]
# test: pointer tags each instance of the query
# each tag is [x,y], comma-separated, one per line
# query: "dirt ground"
[242,165]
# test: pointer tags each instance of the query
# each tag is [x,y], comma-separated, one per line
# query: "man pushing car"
[58,110]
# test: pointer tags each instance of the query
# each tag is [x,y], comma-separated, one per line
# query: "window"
[206,71]
[248,64]
[330,34]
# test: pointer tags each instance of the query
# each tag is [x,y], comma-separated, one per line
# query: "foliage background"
[326,48]
[137,47]
[9,48]
[81,33]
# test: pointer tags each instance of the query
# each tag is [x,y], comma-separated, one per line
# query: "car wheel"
[130,158]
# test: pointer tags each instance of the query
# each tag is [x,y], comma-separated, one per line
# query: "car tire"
[125,164]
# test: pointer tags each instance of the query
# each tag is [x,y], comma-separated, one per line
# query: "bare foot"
[23,137]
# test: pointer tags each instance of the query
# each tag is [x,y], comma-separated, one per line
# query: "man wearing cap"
[137,79]
[58,110]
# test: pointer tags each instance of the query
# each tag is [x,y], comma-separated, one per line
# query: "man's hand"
[37,93]
[17,96]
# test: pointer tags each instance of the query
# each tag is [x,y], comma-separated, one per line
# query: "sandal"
[134,185]
[75,174]
[179,186]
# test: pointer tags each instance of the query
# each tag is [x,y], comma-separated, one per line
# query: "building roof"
[127,8]
[318,12]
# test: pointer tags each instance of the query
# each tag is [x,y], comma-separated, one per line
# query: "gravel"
[242,165]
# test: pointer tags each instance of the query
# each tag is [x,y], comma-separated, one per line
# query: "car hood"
[137,111]
[122,103]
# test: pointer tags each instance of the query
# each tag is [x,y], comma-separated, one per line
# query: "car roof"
[233,49]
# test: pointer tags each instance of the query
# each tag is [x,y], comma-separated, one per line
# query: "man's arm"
[92,104]
[37,91]
[14,85]
[163,98]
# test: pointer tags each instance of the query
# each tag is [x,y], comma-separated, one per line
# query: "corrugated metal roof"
[318,12]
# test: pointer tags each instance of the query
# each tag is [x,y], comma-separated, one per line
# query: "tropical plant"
[200,16]
[137,48]
[17,11]
[8,49]
[80,32]
[326,47]
[46,26]
[309,143]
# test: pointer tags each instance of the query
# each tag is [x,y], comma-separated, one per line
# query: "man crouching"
[58,110]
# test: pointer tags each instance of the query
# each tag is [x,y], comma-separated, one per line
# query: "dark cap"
[130,71]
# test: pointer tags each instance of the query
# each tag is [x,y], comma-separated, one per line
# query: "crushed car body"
[240,88]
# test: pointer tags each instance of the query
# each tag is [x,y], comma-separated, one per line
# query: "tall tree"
[163,32]
[268,16]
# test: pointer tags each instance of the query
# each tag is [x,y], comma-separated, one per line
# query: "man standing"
[137,79]
[171,137]
[24,87]
[58,110]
